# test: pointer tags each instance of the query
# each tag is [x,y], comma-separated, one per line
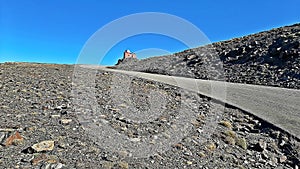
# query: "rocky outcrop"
[127,61]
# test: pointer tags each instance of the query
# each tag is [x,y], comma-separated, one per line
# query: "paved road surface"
[279,106]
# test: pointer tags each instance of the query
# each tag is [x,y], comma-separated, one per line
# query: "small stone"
[190,57]
[66,121]
[39,158]
[14,139]
[241,167]
[123,153]
[196,123]
[30,129]
[273,161]
[52,159]
[114,109]
[226,124]
[135,139]
[251,160]
[285,138]
[282,143]
[55,116]
[107,165]
[242,143]
[52,166]
[249,152]
[230,133]
[159,157]
[200,117]
[211,146]
[61,145]
[102,116]
[201,154]
[58,166]
[123,165]
[63,106]
[163,119]
[282,159]
[178,146]
[189,163]
[262,161]
[47,145]
[229,140]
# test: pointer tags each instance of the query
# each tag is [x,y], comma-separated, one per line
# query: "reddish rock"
[13,139]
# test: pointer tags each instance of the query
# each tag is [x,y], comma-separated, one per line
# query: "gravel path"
[41,126]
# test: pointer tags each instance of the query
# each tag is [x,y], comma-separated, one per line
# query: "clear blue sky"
[54,31]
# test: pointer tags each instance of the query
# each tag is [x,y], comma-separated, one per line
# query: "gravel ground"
[268,58]
[41,126]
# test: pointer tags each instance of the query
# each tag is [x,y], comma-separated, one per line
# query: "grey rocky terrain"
[266,58]
[40,128]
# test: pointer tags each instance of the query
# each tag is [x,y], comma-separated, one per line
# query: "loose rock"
[47,145]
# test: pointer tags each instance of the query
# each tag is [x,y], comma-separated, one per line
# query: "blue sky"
[55,31]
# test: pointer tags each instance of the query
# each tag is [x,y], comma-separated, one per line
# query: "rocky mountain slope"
[266,58]
[40,128]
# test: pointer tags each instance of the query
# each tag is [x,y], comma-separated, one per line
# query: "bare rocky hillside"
[267,58]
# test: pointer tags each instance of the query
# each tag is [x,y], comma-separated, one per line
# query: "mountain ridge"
[265,58]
